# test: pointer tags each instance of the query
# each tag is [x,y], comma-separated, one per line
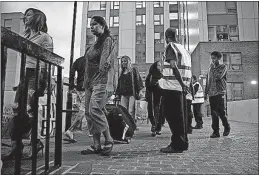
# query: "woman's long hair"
[129,68]
[37,23]
[100,20]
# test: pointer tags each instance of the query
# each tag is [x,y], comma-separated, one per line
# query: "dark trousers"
[174,114]
[189,115]
[218,109]
[154,108]
[197,113]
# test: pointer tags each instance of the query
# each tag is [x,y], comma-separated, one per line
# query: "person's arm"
[206,87]
[220,73]
[105,64]
[196,87]
[72,75]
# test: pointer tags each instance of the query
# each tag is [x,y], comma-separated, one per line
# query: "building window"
[158,55]
[159,37]
[173,16]
[140,39]
[140,57]
[114,21]
[158,19]
[116,38]
[233,61]
[172,2]
[158,4]
[140,20]
[115,4]
[97,5]
[231,7]
[235,91]
[140,4]
[223,33]
[88,22]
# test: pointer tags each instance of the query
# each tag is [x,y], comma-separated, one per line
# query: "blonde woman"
[129,85]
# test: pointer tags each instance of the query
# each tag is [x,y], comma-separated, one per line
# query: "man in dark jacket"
[216,90]
[154,98]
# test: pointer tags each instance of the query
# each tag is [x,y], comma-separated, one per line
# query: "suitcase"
[121,124]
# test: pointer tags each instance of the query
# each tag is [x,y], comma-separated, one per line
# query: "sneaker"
[169,149]
[226,131]
[215,135]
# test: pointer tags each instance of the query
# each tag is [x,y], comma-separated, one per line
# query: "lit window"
[102,5]
[114,21]
[172,2]
[159,37]
[158,19]
[158,4]
[140,4]
[88,22]
[115,4]
[173,16]
[140,20]
[96,5]
[237,91]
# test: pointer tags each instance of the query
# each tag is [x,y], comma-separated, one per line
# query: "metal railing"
[13,41]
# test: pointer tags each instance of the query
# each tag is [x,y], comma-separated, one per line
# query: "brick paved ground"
[235,154]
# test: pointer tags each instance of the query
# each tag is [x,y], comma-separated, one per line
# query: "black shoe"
[189,131]
[158,132]
[153,134]
[215,135]
[226,131]
[197,127]
[169,149]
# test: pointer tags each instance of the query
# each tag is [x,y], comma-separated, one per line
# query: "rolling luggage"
[121,124]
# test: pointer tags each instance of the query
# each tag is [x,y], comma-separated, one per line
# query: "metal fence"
[13,41]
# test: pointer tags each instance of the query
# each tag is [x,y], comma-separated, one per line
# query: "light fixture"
[253,82]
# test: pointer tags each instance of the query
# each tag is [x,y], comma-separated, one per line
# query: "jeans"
[128,102]
[218,110]
[174,114]
[154,106]
[197,113]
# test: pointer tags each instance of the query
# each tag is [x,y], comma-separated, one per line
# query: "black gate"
[13,41]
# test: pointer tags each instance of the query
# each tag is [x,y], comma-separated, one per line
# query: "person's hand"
[205,97]
[186,89]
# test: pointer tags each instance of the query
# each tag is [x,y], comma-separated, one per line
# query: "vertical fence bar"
[21,112]
[69,96]
[3,71]
[58,136]
[48,120]
[35,120]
